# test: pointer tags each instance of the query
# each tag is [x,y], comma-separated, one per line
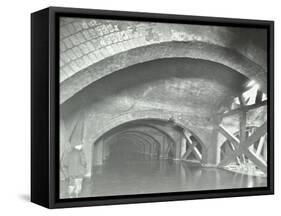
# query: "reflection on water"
[138,174]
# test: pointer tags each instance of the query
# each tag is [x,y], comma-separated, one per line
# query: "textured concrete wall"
[91,49]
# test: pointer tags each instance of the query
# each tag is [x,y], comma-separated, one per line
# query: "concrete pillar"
[87,148]
[265,150]
[183,146]
[212,156]
[151,149]
[63,143]
[63,137]
[98,153]
[165,145]
[147,148]
[162,147]
[177,150]
[105,150]
[143,148]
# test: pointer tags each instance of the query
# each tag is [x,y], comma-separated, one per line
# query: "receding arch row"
[143,119]
[143,141]
[103,144]
[157,129]
[134,129]
[144,138]
[193,50]
[143,116]
[144,135]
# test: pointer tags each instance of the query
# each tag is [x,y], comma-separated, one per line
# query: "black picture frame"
[45,107]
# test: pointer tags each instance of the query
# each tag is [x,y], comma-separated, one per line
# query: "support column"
[265,150]
[183,146]
[151,149]
[64,145]
[212,157]
[162,147]
[165,147]
[87,148]
[147,147]
[98,153]
[178,146]
[105,150]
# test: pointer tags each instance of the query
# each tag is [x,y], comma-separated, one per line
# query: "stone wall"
[91,49]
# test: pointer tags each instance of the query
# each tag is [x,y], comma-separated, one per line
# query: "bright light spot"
[78,147]
[251,83]
[250,94]
[256,86]
[264,96]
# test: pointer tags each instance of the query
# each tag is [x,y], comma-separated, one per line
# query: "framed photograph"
[138,107]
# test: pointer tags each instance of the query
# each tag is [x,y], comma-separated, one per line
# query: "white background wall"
[15,106]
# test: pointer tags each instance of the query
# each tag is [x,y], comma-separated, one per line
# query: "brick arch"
[194,50]
[147,115]
[138,133]
[86,41]
[171,142]
[159,130]
[144,141]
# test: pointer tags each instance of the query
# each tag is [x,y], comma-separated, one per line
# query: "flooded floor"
[140,174]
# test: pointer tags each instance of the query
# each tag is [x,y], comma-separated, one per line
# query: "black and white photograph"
[157,107]
[139,108]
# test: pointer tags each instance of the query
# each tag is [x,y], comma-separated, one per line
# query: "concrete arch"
[103,148]
[87,41]
[161,131]
[100,146]
[141,140]
[193,49]
[135,128]
[180,125]
[146,115]
[137,134]
[150,140]
[140,116]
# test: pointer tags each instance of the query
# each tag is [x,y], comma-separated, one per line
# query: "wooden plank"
[260,131]
[244,108]
[243,149]
[242,125]
[260,145]
[187,153]
[242,101]
[197,154]
[234,142]
[231,157]
[192,148]
[190,145]
[256,160]
[229,136]
[243,132]
[258,97]
[265,151]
